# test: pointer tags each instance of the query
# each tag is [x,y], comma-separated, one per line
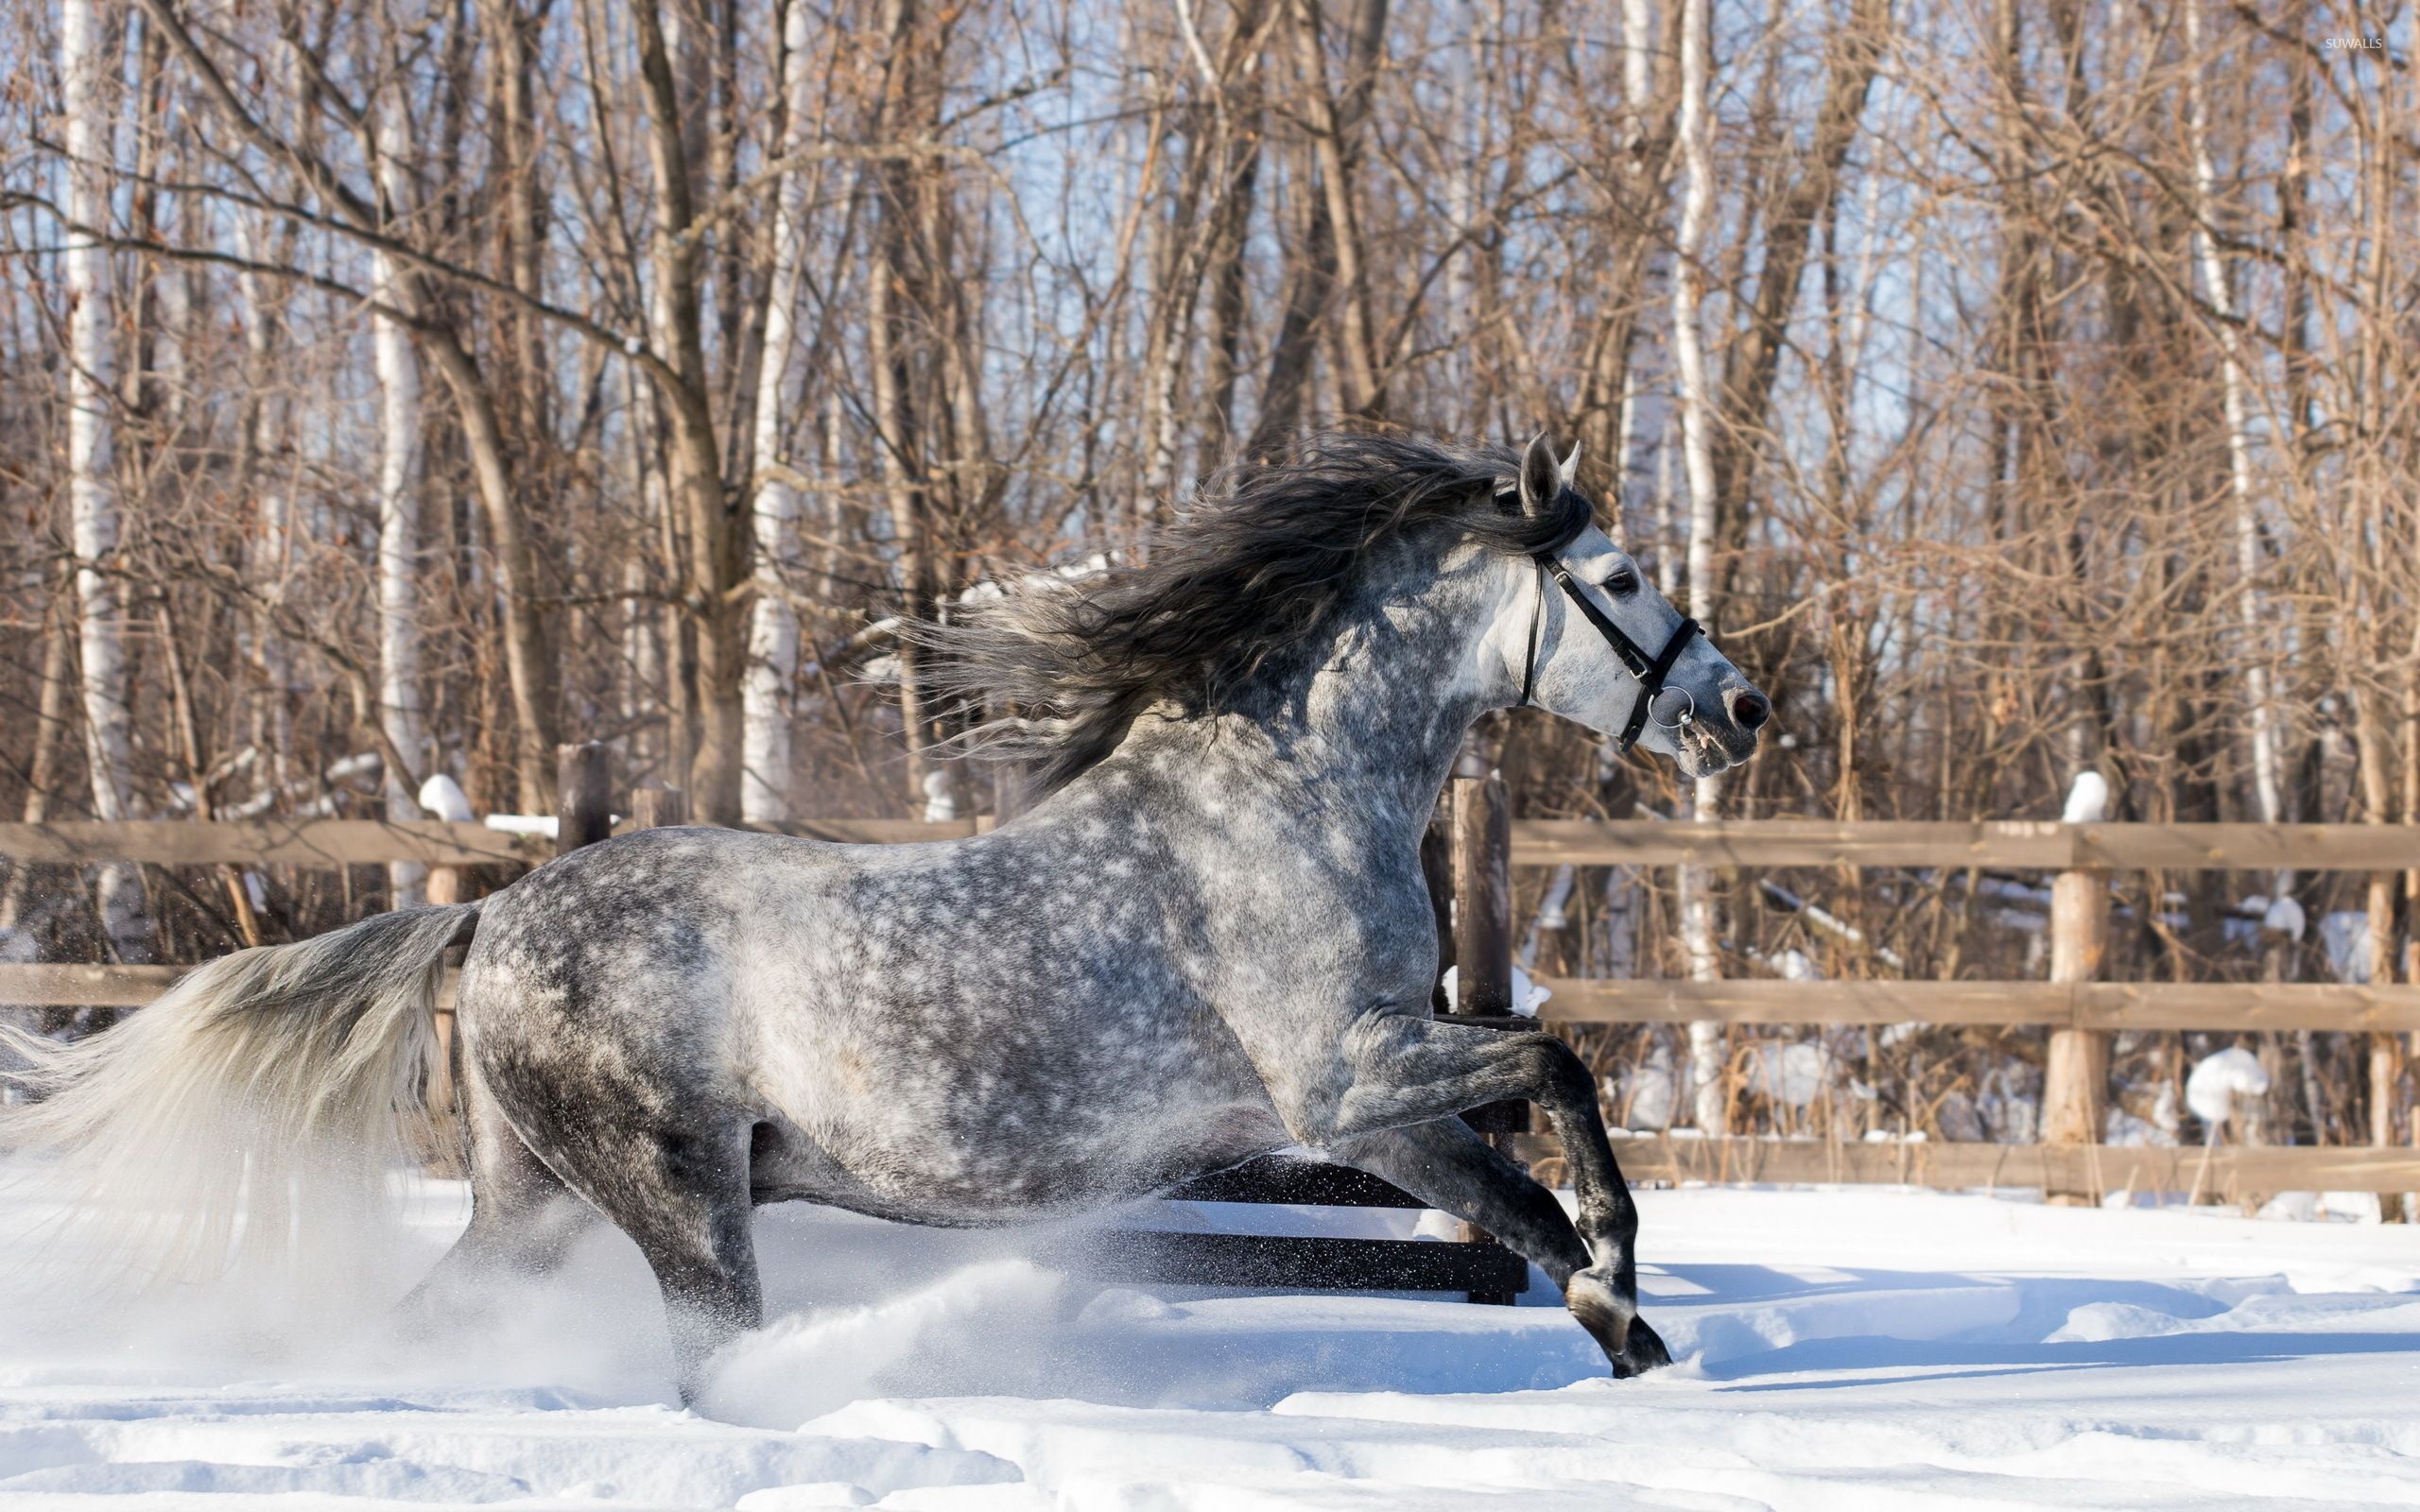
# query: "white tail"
[259,1105]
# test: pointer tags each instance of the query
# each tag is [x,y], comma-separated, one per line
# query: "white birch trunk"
[87,69]
[765,695]
[1669,548]
[1638,40]
[1625,438]
[1697,459]
[2267,780]
[399,465]
[270,480]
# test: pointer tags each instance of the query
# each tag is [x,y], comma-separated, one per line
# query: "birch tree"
[88,61]
[772,625]
[2268,783]
[399,478]
[1697,458]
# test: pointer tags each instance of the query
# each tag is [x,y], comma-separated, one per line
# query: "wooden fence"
[1481,842]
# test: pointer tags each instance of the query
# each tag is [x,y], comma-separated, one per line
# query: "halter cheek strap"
[1650,671]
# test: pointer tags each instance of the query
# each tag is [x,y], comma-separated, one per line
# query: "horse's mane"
[1259,566]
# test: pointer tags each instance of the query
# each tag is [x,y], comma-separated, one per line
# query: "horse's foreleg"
[1451,1169]
[1404,1071]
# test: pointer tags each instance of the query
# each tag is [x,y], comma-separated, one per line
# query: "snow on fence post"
[584,777]
[2075,1078]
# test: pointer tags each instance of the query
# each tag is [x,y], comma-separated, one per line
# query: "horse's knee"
[1555,1071]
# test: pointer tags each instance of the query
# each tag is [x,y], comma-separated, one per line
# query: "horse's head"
[1586,636]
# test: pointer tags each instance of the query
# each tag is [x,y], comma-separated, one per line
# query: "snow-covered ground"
[1858,1349]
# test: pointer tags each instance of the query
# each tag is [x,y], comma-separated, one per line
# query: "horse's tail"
[261,1102]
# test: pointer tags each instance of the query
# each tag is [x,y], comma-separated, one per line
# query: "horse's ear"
[1541,475]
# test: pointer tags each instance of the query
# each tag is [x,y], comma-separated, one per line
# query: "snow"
[2219,1078]
[1853,1348]
[2087,800]
[443,798]
[547,825]
[2284,916]
[1796,1074]
[1646,1095]
[1527,995]
[2344,935]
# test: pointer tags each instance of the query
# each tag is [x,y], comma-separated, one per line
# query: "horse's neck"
[1366,728]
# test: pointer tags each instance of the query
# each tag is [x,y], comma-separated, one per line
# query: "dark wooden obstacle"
[1472,851]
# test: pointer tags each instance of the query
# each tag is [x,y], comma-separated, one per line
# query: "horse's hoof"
[1643,1351]
[1631,1347]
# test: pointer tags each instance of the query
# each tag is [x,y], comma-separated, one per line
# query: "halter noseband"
[1650,671]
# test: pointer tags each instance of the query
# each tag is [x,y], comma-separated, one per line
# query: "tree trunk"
[1335,123]
[50,738]
[772,626]
[399,467]
[1311,274]
[2268,781]
[693,456]
[87,70]
[900,447]
[1698,927]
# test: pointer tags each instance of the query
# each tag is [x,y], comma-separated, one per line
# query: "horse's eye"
[1623,583]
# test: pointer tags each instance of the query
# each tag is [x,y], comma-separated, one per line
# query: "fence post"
[1482,871]
[656,808]
[1437,870]
[2386,1050]
[1483,897]
[584,777]
[2075,1078]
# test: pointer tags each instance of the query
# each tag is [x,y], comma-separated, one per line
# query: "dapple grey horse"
[1209,939]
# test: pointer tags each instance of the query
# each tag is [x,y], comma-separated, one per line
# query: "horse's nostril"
[1750,708]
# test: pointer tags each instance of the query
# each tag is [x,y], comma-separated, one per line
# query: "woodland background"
[2019,389]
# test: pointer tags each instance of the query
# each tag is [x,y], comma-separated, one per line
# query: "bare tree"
[88,66]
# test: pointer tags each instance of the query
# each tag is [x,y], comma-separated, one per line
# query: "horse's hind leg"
[695,1231]
[523,1221]
[681,1193]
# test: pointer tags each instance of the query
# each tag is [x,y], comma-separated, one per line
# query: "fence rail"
[270,842]
[2021,845]
[2102,1006]
[2091,1169]
[362,842]
[2079,1011]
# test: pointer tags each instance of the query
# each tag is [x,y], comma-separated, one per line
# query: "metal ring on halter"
[1687,715]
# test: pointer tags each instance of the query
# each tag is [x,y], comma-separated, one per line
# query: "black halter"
[1650,671]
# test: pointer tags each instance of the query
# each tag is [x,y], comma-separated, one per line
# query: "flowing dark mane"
[1259,565]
